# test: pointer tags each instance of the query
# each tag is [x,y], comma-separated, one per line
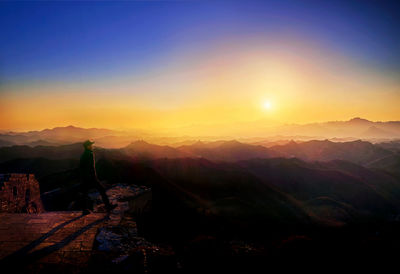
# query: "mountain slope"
[144,150]
[359,152]
[58,135]
[228,191]
[343,183]
[229,151]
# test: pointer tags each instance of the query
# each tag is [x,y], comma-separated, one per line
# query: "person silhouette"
[87,167]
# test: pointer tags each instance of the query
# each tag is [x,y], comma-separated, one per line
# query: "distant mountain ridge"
[273,190]
[61,136]
[356,128]
[359,152]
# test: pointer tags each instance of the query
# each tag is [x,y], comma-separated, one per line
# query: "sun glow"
[218,86]
[267,105]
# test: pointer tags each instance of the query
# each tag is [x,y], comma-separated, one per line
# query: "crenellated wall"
[20,193]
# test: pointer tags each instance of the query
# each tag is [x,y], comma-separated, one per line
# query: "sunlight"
[267,105]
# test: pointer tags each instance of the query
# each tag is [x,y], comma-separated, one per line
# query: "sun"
[267,105]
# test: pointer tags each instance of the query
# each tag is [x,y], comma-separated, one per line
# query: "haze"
[196,67]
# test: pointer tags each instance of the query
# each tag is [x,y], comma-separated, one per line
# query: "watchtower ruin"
[20,193]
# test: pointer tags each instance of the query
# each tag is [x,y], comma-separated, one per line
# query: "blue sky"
[72,41]
[174,63]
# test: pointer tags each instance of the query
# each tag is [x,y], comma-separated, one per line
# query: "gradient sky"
[173,64]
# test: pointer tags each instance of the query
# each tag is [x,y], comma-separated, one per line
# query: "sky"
[186,64]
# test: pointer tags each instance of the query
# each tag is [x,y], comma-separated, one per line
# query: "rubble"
[20,193]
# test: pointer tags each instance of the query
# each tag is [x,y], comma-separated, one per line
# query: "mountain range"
[356,128]
[359,152]
[331,183]
[242,187]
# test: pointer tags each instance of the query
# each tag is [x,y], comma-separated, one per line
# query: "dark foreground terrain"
[239,214]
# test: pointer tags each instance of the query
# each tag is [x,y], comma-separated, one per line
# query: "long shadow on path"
[22,257]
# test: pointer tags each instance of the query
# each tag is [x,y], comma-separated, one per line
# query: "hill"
[144,150]
[227,151]
[355,127]
[58,135]
[359,152]
[364,191]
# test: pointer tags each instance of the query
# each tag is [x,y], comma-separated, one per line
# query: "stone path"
[61,239]
[53,237]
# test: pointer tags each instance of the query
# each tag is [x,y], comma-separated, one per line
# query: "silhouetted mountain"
[359,121]
[375,132]
[41,167]
[49,152]
[392,145]
[72,151]
[42,143]
[229,151]
[5,143]
[359,152]
[275,190]
[268,143]
[384,183]
[229,197]
[344,186]
[356,127]
[57,135]
[114,141]
[390,164]
[144,150]
[71,133]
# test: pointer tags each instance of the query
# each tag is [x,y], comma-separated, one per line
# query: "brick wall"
[20,193]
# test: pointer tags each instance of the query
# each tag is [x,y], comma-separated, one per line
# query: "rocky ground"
[46,242]
[69,242]
[117,246]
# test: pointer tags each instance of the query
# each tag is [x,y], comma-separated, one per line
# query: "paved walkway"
[62,240]
[53,237]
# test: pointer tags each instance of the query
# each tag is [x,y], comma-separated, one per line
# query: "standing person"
[89,177]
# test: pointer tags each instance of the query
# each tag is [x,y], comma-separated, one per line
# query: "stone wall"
[20,193]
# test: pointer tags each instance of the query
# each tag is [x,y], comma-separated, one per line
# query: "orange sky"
[224,85]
